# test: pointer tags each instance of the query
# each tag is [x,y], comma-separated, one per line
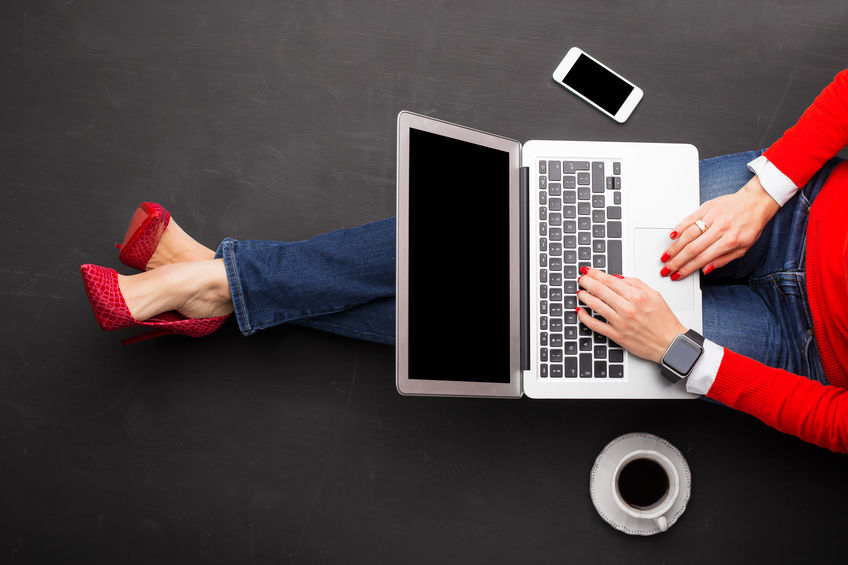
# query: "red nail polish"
[665,257]
[584,270]
[665,271]
[673,235]
[577,309]
[709,269]
[618,276]
[675,276]
[578,279]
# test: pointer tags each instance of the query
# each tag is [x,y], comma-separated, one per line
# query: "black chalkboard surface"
[275,120]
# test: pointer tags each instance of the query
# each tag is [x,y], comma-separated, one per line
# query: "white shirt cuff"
[705,370]
[778,185]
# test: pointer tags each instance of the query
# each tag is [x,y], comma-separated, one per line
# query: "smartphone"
[598,85]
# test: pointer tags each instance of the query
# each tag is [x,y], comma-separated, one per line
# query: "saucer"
[600,484]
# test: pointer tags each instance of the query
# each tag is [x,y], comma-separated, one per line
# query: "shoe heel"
[145,336]
[143,234]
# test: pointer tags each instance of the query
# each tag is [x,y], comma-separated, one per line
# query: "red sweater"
[791,403]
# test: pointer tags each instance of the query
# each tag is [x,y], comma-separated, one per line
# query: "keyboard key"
[543,228]
[598,201]
[597,176]
[598,338]
[569,271]
[543,167]
[543,355]
[556,324]
[598,216]
[570,196]
[556,355]
[585,343]
[583,193]
[543,260]
[543,197]
[616,355]
[543,338]
[543,245]
[555,234]
[569,287]
[543,322]
[554,204]
[543,371]
[616,183]
[555,249]
[569,302]
[556,279]
[556,295]
[555,264]
[599,262]
[609,183]
[556,310]
[584,253]
[543,307]
[600,352]
[598,246]
[543,291]
[570,367]
[616,371]
[570,348]
[614,254]
[584,331]
[584,208]
[556,371]
[581,165]
[569,226]
[543,213]
[570,332]
[614,212]
[614,229]
[569,242]
[584,179]
[556,340]
[570,317]
[600,370]
[616,198]
[585,366]
[554,189]
[555,218]
[543,276]
[616,168]
[554,170]
[584,238]
[543,183]
[569,181]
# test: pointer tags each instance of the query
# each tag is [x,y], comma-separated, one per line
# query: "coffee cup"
[645,484]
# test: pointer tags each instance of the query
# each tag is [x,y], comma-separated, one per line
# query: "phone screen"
[598,84]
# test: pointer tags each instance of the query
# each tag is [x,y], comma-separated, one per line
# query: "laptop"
[491,236]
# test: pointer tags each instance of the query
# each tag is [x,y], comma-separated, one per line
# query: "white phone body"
[597,84]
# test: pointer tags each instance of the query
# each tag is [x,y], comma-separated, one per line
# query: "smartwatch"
[680,357]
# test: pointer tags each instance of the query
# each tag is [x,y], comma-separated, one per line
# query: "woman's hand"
[734,222]
[637,316]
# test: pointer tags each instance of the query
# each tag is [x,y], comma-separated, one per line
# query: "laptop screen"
[459,300]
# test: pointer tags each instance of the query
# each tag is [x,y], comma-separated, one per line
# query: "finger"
[604,286]
[697,243]
[689,220]
[596,325]
[596,304]
[709,264]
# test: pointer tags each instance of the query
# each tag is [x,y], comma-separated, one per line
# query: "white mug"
[657,511]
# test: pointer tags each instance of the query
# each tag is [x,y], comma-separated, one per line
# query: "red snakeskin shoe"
[110,309]
[143,235]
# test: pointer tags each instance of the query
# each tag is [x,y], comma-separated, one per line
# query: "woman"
[774,255]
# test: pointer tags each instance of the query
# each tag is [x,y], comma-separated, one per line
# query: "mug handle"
[662,523]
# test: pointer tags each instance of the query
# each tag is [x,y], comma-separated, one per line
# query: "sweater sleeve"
[819,135]
[790,403]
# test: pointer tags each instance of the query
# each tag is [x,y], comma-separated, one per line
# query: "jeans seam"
[238,300]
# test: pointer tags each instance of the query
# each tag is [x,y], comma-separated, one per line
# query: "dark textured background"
[276,120]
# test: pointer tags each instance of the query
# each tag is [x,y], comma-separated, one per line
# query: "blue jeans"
[344,281]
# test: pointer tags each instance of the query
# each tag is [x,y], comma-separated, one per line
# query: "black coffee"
[643,483]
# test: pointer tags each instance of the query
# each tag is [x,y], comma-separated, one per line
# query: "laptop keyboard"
[579,225]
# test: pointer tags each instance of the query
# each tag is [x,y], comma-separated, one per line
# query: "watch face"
[682,354]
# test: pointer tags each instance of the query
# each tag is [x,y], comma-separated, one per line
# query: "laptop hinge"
[524,258]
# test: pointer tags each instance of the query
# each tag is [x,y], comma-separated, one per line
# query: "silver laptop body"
[520,336]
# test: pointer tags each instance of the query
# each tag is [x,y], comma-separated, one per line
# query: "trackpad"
[649,244]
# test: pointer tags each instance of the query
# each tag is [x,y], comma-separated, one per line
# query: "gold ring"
[701,225]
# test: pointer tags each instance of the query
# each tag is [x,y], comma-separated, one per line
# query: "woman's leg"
[757,305]
[342,281]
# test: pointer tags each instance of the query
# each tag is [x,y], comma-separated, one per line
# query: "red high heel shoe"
[110,309]
[143,235]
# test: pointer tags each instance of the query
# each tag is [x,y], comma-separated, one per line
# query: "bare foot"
[177,246]
[195,289]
